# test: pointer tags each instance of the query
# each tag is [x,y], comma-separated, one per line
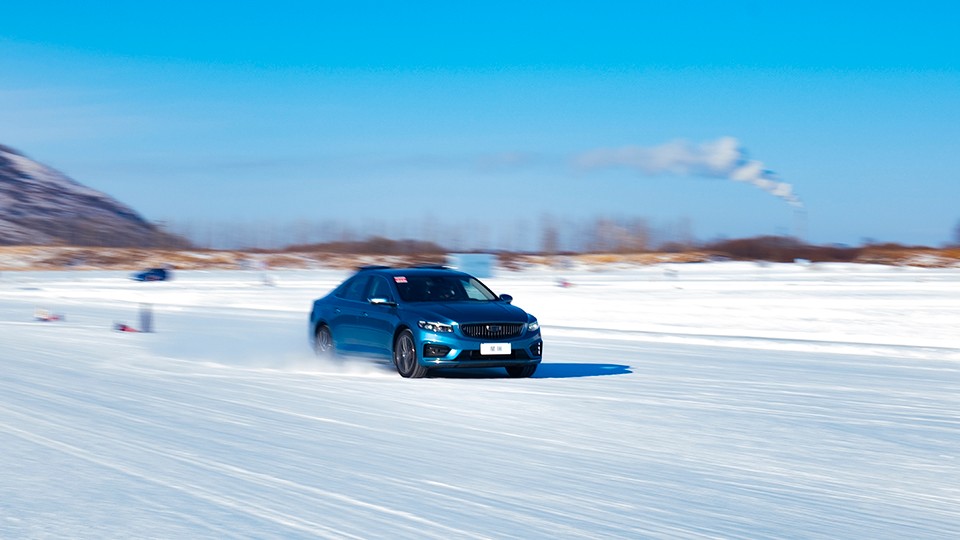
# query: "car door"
[345,320]
[378,318]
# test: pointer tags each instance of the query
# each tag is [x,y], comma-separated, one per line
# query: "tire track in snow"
[416,523]
[285,520]
[46,397]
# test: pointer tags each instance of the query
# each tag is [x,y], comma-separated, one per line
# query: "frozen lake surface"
[723,400]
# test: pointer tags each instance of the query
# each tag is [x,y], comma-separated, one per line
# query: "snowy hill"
[41,206]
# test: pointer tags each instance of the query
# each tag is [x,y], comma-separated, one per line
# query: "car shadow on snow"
[570,369]
[545,371]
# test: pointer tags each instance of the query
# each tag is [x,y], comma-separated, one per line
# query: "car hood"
[470,312]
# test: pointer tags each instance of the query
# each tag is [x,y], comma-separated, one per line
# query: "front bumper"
[454,350]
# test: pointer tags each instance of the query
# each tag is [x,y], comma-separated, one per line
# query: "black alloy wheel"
[405,357]
[323,343]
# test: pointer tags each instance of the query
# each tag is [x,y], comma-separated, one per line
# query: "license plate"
[494,348]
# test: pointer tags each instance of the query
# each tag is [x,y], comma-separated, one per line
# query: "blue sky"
[406,117]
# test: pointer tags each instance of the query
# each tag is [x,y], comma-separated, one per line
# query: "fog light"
[434,351]
[537,349]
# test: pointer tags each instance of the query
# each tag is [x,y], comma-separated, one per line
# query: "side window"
[476,291]
[353,289]
[380,288]
[473,292]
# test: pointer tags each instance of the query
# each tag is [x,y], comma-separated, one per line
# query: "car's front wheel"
[323,343]
[518,372]
[405,356]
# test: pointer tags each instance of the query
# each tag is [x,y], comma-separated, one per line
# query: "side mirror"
[506,298]
[382,302]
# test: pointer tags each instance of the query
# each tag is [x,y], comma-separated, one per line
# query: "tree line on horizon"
[550,236]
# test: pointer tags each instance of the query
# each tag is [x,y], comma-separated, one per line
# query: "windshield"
[442,288]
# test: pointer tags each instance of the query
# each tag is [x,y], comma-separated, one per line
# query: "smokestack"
[721,158]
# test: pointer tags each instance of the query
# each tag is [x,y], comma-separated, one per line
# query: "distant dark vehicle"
[153,274]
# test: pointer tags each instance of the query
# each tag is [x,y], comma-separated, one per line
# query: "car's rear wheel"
[323,343]
[405,356]
[521,371]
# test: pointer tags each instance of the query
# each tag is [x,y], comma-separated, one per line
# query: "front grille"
[492,330]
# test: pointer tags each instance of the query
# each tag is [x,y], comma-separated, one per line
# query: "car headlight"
[533,326]
[437,327]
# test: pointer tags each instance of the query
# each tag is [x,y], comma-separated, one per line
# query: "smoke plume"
[722,158]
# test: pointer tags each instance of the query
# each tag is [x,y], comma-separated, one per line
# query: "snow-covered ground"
[726,400]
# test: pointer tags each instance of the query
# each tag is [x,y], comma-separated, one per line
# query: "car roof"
[410,271]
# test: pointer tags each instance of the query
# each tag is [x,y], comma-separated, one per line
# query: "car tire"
[519,372]
[323,343]
[405,356]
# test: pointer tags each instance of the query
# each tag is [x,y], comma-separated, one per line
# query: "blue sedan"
[425,318]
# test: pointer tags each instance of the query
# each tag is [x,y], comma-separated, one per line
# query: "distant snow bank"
[865,309]
[860,309]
